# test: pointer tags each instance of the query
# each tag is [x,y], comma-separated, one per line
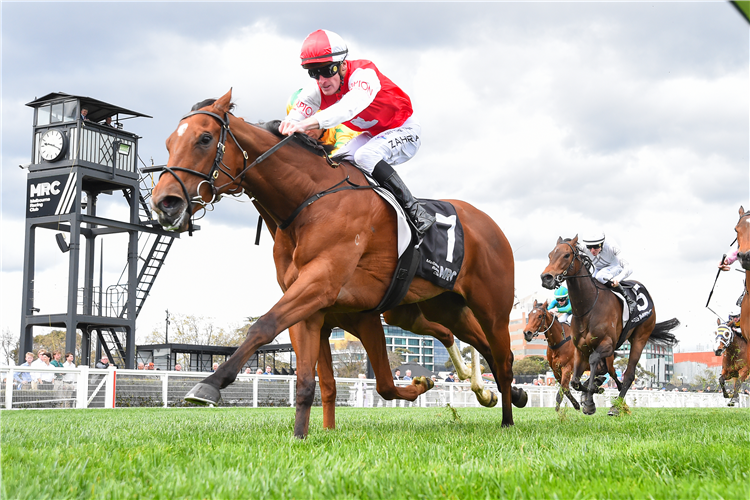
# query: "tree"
[707,380]
[197,330]
[395,358]
[530,365]
[640,372]
[9,345]
[348,358]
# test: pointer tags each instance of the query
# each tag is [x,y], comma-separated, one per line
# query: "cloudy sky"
[551,117]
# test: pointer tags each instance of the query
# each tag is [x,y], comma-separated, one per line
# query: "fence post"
[109,389]
[255,392]
[291,393]
[82,391]
[165,389]
[9,390]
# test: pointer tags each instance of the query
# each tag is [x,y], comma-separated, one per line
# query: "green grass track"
[404,453]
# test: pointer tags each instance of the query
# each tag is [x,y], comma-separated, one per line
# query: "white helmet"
[593,238]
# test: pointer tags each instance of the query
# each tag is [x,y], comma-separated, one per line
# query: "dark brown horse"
[732,346]
[561,353]
[334,257]
[743,241]
[597,319]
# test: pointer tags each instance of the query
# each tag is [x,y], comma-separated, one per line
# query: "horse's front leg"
[722,381]
[578,368]
[736,394]
[305,297]
[305,337]
[565,388]
[612,372]
[603,350]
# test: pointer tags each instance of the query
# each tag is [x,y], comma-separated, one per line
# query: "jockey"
[357,94]
[726,266]
[609,267]
[562,304]
[733,320]
[335,136]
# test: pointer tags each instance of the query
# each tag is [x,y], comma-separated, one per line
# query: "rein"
[554,318]
[585,264]
[219,166]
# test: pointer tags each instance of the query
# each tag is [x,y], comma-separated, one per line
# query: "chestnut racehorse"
[334,253]
[597,319]
[743,241]
[732,346]
[560,350]
[407,317]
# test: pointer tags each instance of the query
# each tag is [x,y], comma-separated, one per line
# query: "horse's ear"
[718,321]
[224,103]
[546,303]
[574,241]
[535,303]
[742,211]
[559,240]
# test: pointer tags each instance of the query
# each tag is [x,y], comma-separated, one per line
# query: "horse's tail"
[662,333]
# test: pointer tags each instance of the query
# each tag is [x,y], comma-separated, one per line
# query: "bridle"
[544,319]
[585,264]
[219,166]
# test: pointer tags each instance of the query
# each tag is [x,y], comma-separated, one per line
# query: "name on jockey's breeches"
[361,84]
[398,141]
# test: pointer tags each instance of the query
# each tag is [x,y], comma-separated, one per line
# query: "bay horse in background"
[596,324]
[743,242]
[334,257]
[732,347]
[561,352]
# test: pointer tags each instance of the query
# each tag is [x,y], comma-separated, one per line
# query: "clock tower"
[81,151]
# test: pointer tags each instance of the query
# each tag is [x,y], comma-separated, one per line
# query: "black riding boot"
[620,289]
[389,179]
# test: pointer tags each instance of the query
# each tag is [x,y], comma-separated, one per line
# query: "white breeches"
[606,274]
[395,146]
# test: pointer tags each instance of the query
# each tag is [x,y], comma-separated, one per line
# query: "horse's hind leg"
[368,329]
[410,317]
[612,372]
[326,379]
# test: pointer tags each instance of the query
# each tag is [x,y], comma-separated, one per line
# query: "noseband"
[217,167]
[554,318]
[586,263]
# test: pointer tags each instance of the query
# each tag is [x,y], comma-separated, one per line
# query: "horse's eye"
[205,139]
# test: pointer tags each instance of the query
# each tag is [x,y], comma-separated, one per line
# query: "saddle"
[644,307]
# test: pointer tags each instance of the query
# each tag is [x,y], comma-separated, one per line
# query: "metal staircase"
[152,252]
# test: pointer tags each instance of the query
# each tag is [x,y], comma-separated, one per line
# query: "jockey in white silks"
[609,266]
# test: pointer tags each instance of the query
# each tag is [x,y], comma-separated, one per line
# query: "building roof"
[98,110]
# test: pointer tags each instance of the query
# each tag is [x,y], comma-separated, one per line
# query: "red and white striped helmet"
[323,46]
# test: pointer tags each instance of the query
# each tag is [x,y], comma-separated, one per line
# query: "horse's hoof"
[589,409]
[518,397]
[493,400]
[203,394]
[614,412]
[600,390]
[557,408]
[733,402]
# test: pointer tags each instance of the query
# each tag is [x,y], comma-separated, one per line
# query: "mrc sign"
[53,195]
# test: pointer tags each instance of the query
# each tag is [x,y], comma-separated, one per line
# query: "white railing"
[85,387]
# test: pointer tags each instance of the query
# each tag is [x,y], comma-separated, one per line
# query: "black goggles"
[591,247]
[324,71]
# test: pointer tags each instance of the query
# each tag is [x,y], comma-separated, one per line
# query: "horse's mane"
[273,126]
[303,140]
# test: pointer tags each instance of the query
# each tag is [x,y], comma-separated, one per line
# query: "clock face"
[52,146]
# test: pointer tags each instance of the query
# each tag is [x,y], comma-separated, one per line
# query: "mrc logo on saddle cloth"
[644,307]
[437,257]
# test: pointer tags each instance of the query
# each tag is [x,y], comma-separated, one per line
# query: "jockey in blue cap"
[562,304]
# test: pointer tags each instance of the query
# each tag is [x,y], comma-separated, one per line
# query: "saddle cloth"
[644,306]
[441,248]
